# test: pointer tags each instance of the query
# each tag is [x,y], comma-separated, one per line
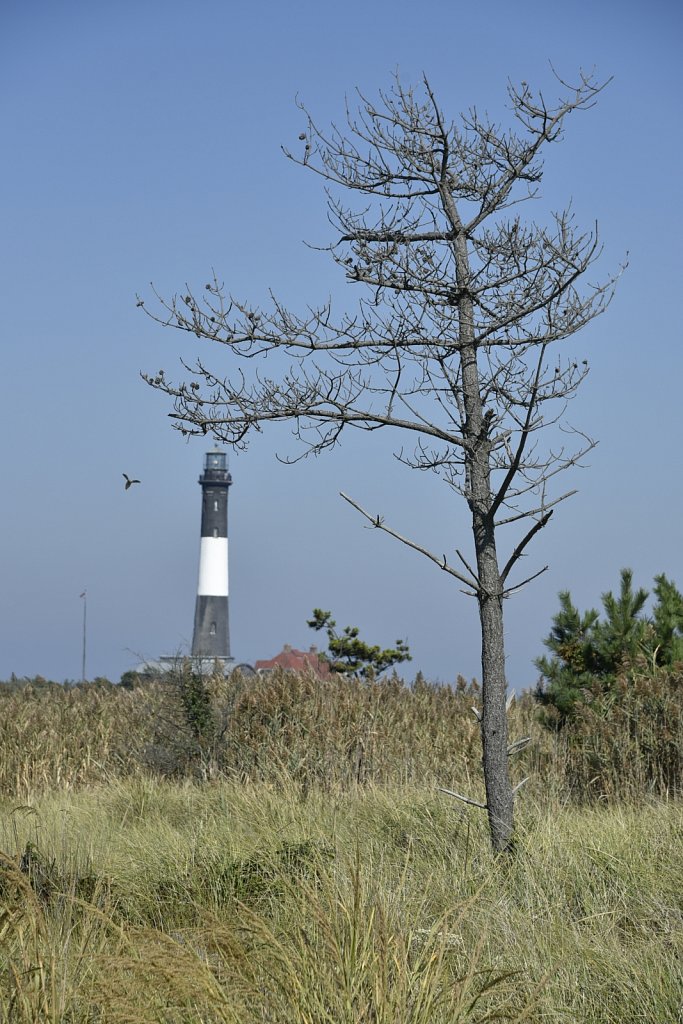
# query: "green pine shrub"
[588,653]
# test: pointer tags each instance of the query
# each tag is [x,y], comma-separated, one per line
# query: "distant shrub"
[588,652]
[349,655]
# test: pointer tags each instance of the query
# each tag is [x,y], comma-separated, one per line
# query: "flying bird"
[129,482]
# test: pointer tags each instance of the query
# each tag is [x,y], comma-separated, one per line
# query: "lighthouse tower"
[211,637]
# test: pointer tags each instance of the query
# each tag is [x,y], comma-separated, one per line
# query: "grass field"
[295,862]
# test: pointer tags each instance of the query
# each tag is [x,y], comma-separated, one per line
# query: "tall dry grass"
[71,736]
[336,734]
[627,744]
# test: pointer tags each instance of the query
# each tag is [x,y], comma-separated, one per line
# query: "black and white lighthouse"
[211,637]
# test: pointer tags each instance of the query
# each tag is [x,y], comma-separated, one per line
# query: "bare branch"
[519,745]
[518,586]
[378,523]
[516,554]
[530,513]
[467,566]
[465,799]
[524,435]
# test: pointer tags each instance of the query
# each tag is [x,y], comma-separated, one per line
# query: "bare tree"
[450,343]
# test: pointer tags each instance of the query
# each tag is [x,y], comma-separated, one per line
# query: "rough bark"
[494,731]
[489,593]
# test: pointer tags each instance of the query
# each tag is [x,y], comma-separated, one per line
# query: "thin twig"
[379,524]
[528,513]
[523,543]
[468,567]
[465,799]
[518,586]
[518,745]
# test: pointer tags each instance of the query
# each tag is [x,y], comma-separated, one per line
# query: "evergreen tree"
[624,634]
[588,653]
[575,661]
[668,622]
[348,654]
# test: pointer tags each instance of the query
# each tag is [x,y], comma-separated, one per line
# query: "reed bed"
[335,734]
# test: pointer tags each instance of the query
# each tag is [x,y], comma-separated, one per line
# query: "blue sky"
[141,142]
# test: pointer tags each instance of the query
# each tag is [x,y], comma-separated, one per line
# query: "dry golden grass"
[334,734]
[164,901]
[279,852]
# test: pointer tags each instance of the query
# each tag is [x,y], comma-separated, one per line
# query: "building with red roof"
[296,661]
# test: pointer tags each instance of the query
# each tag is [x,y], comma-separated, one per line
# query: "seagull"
[128,480]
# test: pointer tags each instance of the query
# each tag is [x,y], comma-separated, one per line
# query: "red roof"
[297,661]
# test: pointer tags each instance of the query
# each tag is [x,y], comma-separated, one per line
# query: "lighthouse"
[211,637]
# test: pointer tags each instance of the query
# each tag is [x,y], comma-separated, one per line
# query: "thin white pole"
[85,609]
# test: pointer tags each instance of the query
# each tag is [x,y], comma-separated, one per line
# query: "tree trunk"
[494,732]
[499,800]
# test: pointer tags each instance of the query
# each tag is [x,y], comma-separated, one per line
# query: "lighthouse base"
[211,637]
[172,663]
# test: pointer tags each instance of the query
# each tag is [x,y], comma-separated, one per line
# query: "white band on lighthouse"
[213,567]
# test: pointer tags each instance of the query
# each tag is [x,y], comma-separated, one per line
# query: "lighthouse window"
[212,631]
[215,504]
[215,531]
